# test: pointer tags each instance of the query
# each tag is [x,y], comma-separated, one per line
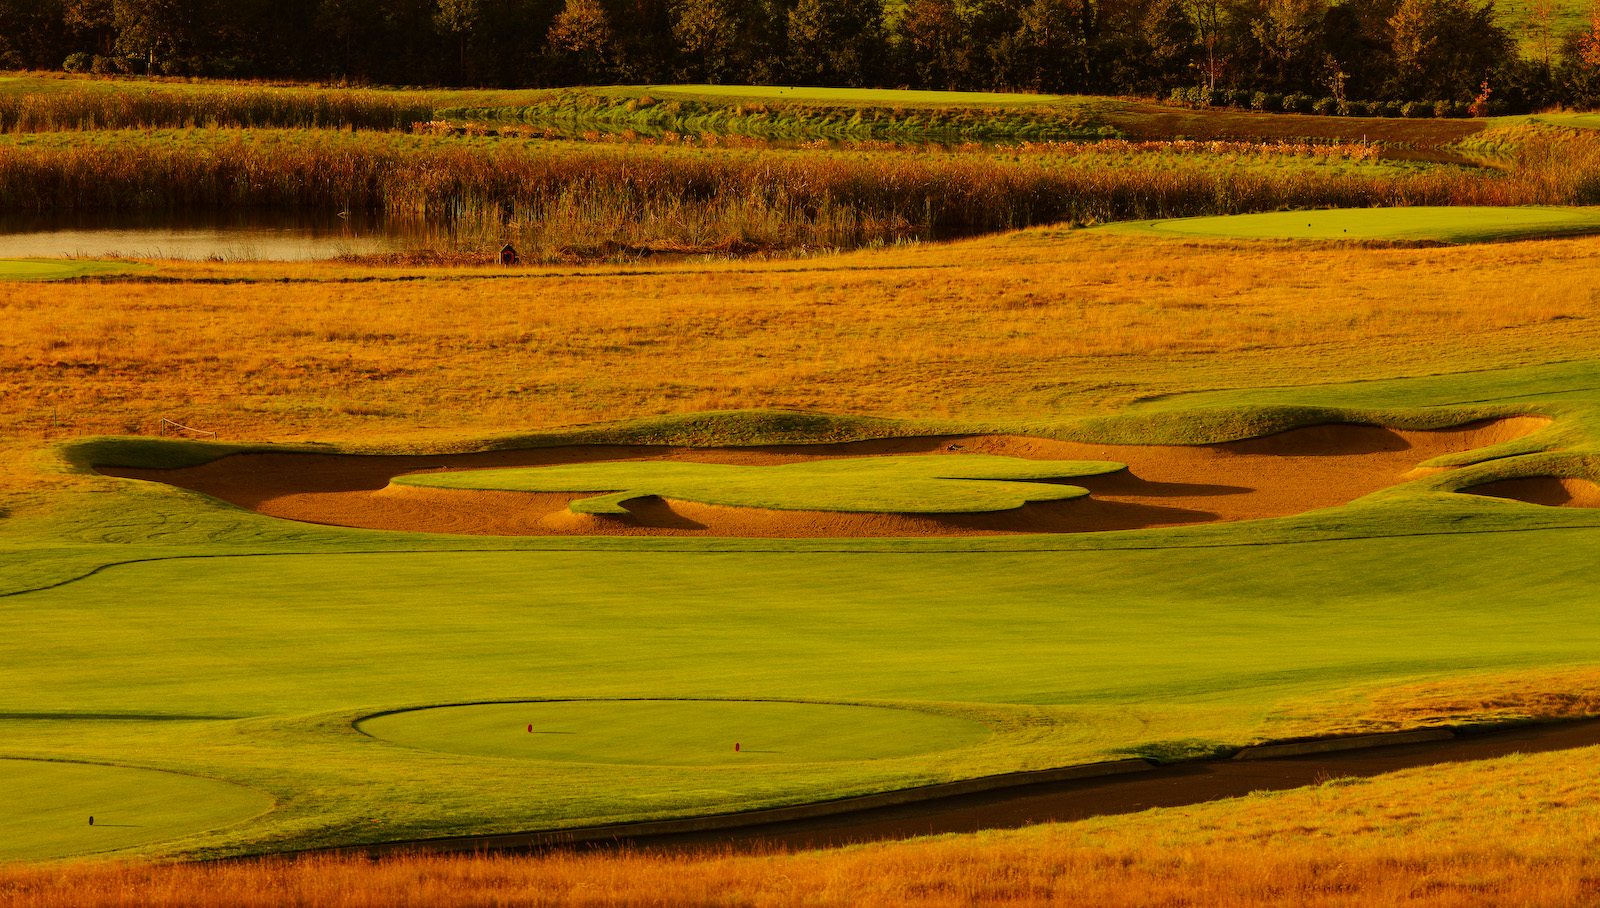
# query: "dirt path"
[1273,476]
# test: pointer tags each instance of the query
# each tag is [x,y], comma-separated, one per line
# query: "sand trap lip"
[1272,476]
[1423,223]
[1551,491]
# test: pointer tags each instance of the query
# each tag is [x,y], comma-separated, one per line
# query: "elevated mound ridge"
[1271,476]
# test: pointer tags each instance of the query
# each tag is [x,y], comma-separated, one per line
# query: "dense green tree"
[579,44]
[161,32]
[707,38]
[350,22]
[1053,38]
[642,39]
[458,19]
[1288,35]
[1444,48]
[836,42]
[934,41]
[32,34]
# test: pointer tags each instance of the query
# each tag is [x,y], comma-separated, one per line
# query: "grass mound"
[873,97]
[1439,224]
[48,806]
[958,484]
[676,732]
[53,269]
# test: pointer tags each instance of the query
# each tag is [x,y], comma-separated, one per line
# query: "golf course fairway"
[1421,223]
[53,269]
[47,807]
[676,732]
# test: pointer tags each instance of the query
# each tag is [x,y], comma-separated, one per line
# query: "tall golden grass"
[1050,323]
[556,196]
[287,108]
[1520,831]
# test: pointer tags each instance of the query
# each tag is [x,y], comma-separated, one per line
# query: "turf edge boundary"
[716,822]
[528,841]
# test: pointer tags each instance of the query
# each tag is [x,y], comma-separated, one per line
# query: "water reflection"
[237,235]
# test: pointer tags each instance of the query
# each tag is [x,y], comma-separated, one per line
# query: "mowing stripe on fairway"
[45,807]
[1440,224]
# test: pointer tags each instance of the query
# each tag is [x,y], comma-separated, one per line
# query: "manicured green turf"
[676,732]
[954,484]
[1067,656]
[168,630]
[47,807]
[1589,120]
[1440,224]
[54,269]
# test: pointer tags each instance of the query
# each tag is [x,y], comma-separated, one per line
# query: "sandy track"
[1276,475]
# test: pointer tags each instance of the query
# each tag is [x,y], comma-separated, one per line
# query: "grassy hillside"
[160,630]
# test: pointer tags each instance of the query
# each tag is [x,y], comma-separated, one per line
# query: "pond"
[202,236]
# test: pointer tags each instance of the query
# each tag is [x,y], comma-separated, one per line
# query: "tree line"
[1357,49]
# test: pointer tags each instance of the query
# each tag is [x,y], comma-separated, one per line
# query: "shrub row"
[1201,97]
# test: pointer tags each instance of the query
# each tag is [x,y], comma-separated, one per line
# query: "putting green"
[45,807]
[52,269]
[912,484]
[1442,224]
[676,732]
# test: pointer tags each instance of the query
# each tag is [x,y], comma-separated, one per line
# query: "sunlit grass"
[1516,831]
[1046,323]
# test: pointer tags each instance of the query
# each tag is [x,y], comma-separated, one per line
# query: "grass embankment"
[59,269]
[1443,225]
[901,485]
[796,114]
[1515,831]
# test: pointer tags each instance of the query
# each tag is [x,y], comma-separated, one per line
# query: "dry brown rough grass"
[1047,323]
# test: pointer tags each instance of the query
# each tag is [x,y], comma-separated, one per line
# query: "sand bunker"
[1272,476]
[1546,490]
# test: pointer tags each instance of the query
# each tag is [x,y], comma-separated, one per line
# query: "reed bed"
[573,196]
[1356,151]
[87,109]
[560,198]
